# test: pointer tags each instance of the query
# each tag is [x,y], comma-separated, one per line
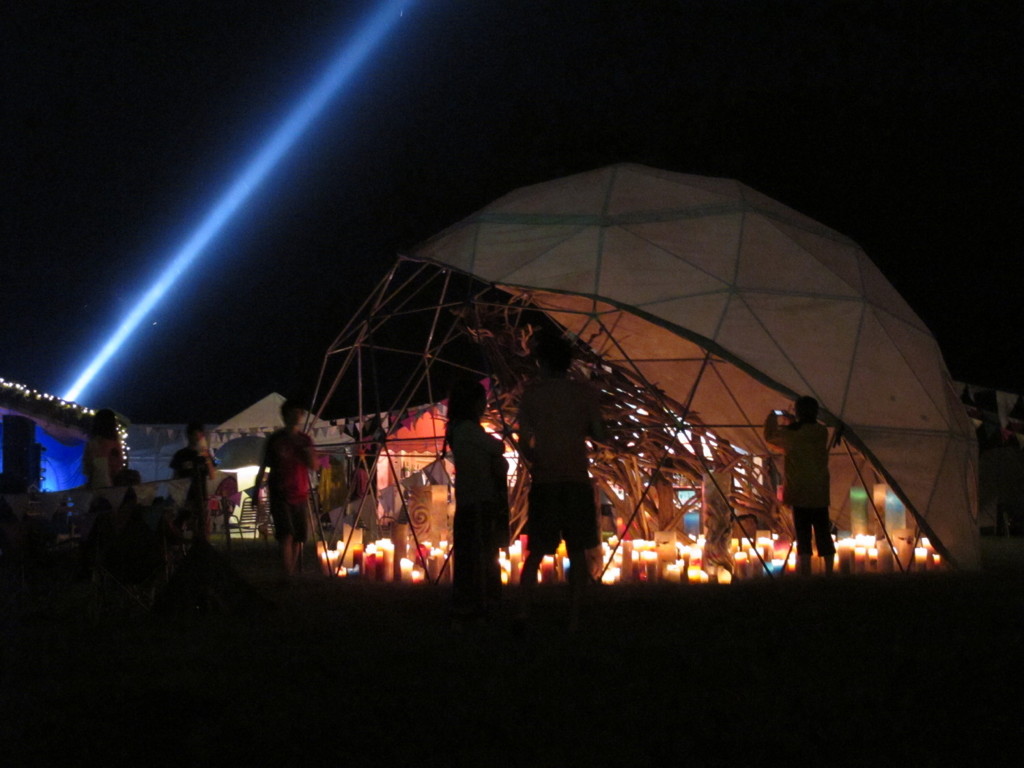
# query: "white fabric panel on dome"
[884,390]
[570,195]
[633,192]
[745,337]
[841,257]
[695,316]
[637,272]
[879,292]
[819,336]
[770,207]
[922,356]
[710,247]
[771,261]
[506,249]
[569,265]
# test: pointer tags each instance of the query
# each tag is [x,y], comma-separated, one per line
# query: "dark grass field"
[870,671]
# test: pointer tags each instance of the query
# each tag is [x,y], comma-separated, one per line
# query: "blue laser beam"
[295,124]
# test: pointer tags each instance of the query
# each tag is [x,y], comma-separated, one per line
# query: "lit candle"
[885,558]
[665,545]
[627,561]
[742,560]
[845,555]
[435,559]
[697,554]
[515,558]
[547,570]
[674,573]
[724,577]
[781,548]
[387,560]
[405,567]
[860,556]
[370,563]
[920,558]
[649,565]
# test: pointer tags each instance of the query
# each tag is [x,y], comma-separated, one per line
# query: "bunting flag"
[178,490]
[437,473]
[415,480]
[114,495]
[997,416]
[80,499]
[18,503]
[145,493]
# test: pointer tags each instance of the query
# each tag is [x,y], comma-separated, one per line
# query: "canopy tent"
[264,417]
[732,304]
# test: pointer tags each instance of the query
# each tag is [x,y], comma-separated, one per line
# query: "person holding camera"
[806,485]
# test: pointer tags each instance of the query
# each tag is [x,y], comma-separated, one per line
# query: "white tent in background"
[151,448]
[264,417]
[734,303]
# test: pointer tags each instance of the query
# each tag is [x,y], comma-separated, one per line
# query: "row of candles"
[665,559]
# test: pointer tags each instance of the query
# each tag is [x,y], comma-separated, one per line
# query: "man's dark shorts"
[289,520]
[813,522]
[562,511]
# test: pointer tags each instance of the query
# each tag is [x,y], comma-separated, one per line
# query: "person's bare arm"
[309,456]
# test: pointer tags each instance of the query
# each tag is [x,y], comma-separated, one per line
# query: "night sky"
[896,123]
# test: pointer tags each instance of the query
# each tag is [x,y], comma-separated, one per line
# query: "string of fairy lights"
[20,399]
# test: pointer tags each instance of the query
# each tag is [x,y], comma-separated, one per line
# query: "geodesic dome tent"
[734,304]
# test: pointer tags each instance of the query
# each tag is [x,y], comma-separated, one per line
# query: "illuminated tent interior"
[42,437]
[698,305]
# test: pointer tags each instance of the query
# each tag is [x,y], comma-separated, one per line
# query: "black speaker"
[21,453]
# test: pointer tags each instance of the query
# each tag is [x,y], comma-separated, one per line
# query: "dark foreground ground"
[869,671]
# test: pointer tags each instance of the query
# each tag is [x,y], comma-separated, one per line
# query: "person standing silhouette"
[289,455]
[806,485]
[481,504]
[556,416]
[193,462]
[103,456]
